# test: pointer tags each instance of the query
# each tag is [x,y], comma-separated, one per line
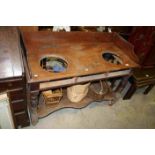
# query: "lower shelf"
[44,110]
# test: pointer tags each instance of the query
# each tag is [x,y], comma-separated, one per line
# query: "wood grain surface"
[81,50]
[10,60]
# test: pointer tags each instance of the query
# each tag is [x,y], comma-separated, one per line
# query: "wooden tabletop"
[144,74]
[10,59]
[81,50]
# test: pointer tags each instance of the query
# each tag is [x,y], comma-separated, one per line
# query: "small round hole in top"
[53,64]
[112,58]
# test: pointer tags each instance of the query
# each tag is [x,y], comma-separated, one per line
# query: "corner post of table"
[33,91]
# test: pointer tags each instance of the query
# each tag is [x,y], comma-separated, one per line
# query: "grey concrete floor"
[138,112]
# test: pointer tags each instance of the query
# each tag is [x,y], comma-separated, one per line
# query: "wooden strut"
[33,104]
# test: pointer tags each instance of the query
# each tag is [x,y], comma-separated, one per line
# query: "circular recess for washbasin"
[112,58]
[53,64]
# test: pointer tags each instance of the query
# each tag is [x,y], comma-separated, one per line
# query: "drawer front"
[22,119]
[19,105]
[16,95]
[11,85]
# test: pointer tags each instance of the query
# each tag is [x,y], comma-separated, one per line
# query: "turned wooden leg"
[147,90]
[33,107]
[130,92]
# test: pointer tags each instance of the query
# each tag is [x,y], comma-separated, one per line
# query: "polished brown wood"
[83,54]
[82,51]
[10,59]
[144,77]
[28,28]
[12,75]
[19,105]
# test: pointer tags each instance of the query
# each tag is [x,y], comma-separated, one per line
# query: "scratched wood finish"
[10,60]
[12,78]
[82,51]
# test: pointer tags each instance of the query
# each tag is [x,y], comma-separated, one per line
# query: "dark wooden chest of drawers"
[12,75]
